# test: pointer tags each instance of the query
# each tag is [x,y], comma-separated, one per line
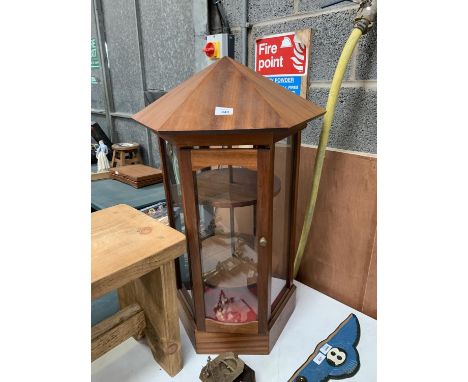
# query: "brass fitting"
[366,15]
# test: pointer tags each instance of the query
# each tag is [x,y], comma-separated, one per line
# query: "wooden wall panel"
[369,305]
[337,259]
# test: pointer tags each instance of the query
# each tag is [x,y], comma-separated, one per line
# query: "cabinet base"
[217,342]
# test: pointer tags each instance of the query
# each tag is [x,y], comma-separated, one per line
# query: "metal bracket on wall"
[112,114]
[141,60]
[99,17]
[334,2]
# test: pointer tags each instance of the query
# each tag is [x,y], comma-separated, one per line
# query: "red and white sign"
[280,55]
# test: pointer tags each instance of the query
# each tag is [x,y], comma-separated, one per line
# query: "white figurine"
[101,155]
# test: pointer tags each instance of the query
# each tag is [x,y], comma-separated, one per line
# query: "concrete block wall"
[172,38]
[355,124]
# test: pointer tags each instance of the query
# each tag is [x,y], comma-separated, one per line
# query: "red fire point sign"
[280,55]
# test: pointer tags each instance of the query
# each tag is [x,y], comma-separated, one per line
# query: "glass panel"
[281,217]
[227,196]
[183,262]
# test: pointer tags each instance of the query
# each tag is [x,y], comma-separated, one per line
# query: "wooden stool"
[134,253]
[120,152]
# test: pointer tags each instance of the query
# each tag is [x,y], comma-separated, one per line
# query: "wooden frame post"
[266,157]
[191,219]
[296,155]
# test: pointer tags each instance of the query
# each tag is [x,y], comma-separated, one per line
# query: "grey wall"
[165,39]
[170,45]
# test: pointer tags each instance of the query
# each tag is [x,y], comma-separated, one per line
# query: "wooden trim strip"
[264,229]
[247,328]
[278,300]
[280,316]
[169,202]
[216,157]
[296,155]
[166,180]
[187,318]
[114,320]
[190,139]
[190,202]
[109,333]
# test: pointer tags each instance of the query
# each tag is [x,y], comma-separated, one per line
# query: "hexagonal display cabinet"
[229,142]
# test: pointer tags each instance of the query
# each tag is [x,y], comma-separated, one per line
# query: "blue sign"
[336,357]
[291,83]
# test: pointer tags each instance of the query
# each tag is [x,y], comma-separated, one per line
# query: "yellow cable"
[326,125]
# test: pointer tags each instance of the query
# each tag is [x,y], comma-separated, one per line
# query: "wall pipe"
[363,22]
[141,60]
[244,26]
[101,34]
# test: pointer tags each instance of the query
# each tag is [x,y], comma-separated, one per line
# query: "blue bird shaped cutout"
[335,357]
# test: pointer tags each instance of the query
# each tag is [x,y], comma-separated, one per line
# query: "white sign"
[319,358]
[224,110]
[325,348]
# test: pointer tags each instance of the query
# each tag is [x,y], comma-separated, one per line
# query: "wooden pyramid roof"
[258,103]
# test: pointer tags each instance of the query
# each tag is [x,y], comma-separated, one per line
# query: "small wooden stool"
[134,253]
[120,152]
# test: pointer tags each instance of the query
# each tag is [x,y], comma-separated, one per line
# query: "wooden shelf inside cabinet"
[221,269]
[230,187]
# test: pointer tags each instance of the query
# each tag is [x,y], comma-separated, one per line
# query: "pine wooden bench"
[135,254]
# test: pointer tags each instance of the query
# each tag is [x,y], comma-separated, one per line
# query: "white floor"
[315,317]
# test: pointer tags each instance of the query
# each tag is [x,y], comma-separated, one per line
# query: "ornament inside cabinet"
[229,142]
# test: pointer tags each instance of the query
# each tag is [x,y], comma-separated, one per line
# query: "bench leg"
[156,292]
[113,159]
